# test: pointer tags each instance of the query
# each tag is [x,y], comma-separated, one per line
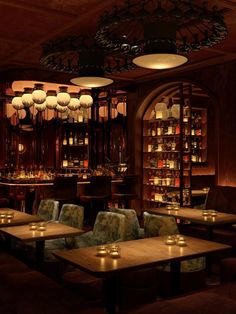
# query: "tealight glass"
[2,214]
[170,240]
[10,215]
[101,251]
[114,251]
[205,212]
[42,226]
[33,226]
[213,213]
[181,241]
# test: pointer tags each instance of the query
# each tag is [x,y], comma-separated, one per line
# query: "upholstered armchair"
[108,227]
[132,227]
[70,215]
[48,209]
[157,225]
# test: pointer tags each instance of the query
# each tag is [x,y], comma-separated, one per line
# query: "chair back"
[109,227]
[132,226]
[100,185]
[65,188]
[157,225]
[72,215]
[48,209]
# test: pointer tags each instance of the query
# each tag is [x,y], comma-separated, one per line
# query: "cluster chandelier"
[160,34]
[55,100]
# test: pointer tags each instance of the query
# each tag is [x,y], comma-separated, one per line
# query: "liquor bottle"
[65,161]
[153,131]
[86,139]
[64,142]
[71,139]
[149,147]
[75,138]
[86,161]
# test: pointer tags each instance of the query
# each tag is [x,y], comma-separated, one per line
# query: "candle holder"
[114,251]
[42,226]
[33,226]
[170,240]
[2,214]
[10,215]
[181,241]
[213,213]
[205,213]
[102,251]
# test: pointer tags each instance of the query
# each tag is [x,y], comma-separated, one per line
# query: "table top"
[53,231]
[20,218]
[195,215]
[137,254]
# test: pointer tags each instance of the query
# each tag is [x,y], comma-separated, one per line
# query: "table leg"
[110,294]
[175,277]
[39,252]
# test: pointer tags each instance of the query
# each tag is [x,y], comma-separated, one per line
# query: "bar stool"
[125,191]
[65,190]
[95,195]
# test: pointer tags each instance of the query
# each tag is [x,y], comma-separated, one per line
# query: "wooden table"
[137,254]
[53,231]
[196,216]
[20,218]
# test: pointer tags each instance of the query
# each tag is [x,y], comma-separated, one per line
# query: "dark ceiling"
[26,25]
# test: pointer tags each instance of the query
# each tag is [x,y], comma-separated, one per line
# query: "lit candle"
[114,251]
[101,251]
[42,226]
[32,226]
[170,240]
[181,242]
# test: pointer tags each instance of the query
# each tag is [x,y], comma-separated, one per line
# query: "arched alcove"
[203,173]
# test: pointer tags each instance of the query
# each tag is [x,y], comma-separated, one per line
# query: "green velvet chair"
[48,209]
[192,271]
[108,228]
[132,227]
[70,215]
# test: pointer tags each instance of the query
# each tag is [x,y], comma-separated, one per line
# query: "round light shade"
[61,108]
[74,102]
[41,107]
[63,98]
[17,101]
[51,99]
[39,95]
[86,101]
[160,61]
[91,81]
[27,98]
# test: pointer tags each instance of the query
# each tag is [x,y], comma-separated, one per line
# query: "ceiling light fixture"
[160,34]
[81,56]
